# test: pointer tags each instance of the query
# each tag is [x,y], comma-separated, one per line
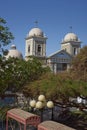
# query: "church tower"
[71,44]
[35,44]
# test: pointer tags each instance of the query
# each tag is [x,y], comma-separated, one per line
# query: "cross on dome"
[36,23]
[70,29]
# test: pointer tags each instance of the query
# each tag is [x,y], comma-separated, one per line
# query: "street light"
[40,104]
[50,105]
[33,104]
[42,98]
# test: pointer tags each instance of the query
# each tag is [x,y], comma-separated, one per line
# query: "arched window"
[39,48]
[75,51]
[29,48]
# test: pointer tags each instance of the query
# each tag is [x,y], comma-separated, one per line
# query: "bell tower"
[35,44]
[71,44]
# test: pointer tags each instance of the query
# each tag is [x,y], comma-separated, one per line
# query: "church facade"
[35,46]
[58,61]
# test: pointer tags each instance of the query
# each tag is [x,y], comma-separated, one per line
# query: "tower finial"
[36,23]
[70,29]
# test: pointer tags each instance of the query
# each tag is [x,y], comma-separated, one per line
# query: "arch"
[39,48]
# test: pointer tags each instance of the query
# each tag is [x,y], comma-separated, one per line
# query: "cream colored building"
[71,44]
[61,60]
[36,44]
[58,61]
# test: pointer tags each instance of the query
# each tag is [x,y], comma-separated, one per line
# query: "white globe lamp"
[39,105]
[41,98]
[33,103]
[50,104]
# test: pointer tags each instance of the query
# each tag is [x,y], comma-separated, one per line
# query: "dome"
[36,32]
[70,37]
[13,52]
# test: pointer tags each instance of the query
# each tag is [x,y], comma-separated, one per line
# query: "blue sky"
[54,17]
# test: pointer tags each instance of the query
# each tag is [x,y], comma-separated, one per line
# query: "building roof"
[71,37]
[35,32]
[57,52]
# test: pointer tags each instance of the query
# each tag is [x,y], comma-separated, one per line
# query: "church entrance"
[64,66]
[61,67]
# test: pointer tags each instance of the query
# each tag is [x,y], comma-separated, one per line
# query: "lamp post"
[50,105]
[32,104]
[42,99]
[40,104]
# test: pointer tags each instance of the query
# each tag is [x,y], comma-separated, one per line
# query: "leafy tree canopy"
[79,65]
[5,35]
[15,73]
[60,88]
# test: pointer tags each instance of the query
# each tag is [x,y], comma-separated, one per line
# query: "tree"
[79,65]
[5,35]
[15,73]
[60,87]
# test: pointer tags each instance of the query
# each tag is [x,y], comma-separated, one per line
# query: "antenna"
[70,29]
[36,23]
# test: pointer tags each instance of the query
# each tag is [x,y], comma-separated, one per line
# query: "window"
[61,53]
[65,49]
[29,48]
[75,51]
[39,48]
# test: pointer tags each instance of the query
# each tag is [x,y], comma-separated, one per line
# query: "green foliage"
[79,65]
[57,87]
[3,112]
[80,114]
[5,35]
[15,73]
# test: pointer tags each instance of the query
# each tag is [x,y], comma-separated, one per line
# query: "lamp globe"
[50,104]
[33,103]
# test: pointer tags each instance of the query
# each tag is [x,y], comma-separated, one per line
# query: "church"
[35,46]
